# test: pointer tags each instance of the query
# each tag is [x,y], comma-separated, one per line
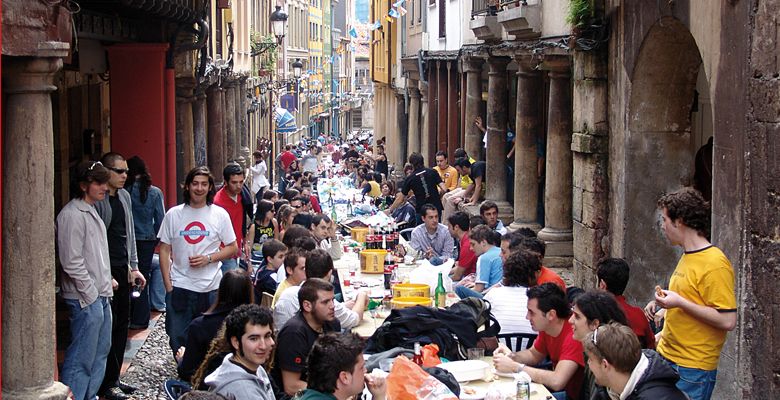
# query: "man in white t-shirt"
[190,255]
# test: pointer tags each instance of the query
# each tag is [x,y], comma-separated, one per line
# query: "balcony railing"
[479,7]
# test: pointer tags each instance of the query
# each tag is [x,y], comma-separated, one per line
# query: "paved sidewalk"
[148,360]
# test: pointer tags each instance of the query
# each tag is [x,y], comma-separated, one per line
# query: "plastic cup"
[475,353]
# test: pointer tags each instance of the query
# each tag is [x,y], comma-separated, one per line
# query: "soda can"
[523,390]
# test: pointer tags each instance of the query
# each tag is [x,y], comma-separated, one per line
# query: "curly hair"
[520,269]
[689,206]
[332,354]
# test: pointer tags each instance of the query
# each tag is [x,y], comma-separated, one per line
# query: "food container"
[406,302]
[411,290]
[359,234]
[372,261]
[467,370]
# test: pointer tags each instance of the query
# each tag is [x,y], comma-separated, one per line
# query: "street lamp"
[278,20]
[297,67]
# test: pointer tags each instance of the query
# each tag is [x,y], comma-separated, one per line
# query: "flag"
[393,13]
[399,3]
[401,11]
[376,25]
[353,32]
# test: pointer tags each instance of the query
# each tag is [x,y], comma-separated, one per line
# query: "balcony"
[521,19]
[484,22]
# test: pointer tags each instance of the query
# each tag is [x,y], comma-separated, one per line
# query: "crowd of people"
[254,308]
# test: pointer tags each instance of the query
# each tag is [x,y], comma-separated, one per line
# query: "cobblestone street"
[152,365]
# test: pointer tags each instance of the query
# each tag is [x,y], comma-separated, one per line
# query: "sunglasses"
[119,171]
[91,167]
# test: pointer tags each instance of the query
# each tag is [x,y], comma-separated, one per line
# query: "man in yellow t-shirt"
[448,173]
[700,305]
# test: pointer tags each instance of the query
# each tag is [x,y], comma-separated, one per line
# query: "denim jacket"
[148,216]
[103,208]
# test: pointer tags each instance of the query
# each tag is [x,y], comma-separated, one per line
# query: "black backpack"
[454,329]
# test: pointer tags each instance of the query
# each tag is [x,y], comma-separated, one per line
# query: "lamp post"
[278,26]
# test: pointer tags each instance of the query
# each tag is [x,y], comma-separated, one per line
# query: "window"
[442,18]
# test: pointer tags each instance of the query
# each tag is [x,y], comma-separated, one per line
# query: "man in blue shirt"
[484,243]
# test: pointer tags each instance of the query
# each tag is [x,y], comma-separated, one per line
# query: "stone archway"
[658,145]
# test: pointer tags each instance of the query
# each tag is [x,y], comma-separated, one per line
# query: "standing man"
[317,315]
[548,312]
[448,173]
[425,183]
[229,198]
[700,305]
[116,210]
[193,232]
[86,283]
[337,370]
[489,212]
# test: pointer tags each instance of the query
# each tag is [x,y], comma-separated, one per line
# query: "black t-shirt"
[117,233]
[381,165]
[295,340]
[424,183]
[478,170]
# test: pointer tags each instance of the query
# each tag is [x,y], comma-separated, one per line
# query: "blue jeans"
[182,307]
[229,264]
[698,384]
[139,314]
[156,287]
[560,396]
[464,292]
[85,359]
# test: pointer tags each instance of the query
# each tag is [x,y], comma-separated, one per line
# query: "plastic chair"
[517,341]
[406,234]
[175,388]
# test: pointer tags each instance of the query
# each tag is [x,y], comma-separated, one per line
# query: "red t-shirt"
[637,322]
[467,259]
[236,211]
[287,158]
[564,347]
[315,204]
[548,275]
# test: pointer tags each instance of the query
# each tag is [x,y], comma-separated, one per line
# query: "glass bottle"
[440,295]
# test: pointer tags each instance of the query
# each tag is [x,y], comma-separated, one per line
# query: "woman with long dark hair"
[235,289]
[264,227]
[148,213]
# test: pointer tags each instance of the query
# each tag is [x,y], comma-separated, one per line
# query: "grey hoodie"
[235,383]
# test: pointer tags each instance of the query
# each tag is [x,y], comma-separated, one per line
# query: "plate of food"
[472,393]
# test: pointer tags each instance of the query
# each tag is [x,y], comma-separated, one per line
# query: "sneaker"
[127,389]
[115,393]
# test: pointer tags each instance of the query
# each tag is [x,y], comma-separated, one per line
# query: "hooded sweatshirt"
[652,379]
[236,383]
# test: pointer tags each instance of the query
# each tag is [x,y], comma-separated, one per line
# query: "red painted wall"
[140,124]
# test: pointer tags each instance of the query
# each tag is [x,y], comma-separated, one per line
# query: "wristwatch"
[209,258]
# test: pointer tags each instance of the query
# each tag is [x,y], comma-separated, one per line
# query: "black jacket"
[658,382]
[200,332]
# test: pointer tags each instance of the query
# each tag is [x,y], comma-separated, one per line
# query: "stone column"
[473,69]
[433,112]
[424,118]
[453,123]
[414,121]
[496,131]
[402,135]
[557,231]
[441,131]
[528,124]
[29,346]
[216,146]
[199,128]
[185,136]
[231,133]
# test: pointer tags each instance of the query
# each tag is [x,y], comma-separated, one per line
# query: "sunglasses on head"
[94,163]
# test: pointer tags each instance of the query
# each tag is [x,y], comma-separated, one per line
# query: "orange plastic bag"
[430,355]
[407,381]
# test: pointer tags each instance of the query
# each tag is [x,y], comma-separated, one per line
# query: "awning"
[285,122]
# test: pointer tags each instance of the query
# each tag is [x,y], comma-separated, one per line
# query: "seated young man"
[324,230]
[264,278]
[320,265]
[515,241]
[548,312]
[316,317]
[432,239]
[483,242]
[249,332]
[626,371]
[337,370]
[489,212]
[613,276]
[295,272]
[458,225]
